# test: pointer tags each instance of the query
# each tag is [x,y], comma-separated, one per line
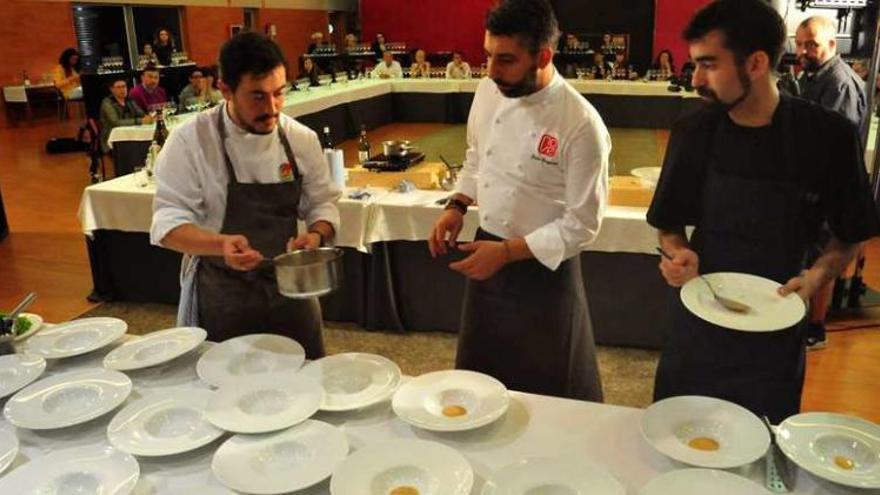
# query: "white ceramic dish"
[354,380]
[163,423]
[265,405]
[8,448]
[428,467]
[769,311]
[681,428]
[287,461]
[451,400]
[174,373]
[701,482]
[80,470]
[649,176]
[19,370]
[825,444]
[36,325]
[154,348]
[67,399]
[75,337]
[551,476]
[252,357]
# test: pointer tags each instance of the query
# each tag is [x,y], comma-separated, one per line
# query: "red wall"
[671,17]
[206,28]
[294,29]
[433,25]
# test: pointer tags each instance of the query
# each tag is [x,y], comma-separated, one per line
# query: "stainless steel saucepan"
[309,273]
[397,148]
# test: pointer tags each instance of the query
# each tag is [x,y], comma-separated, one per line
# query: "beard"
[251,127]
[809,64]
[712,98]
[524,87]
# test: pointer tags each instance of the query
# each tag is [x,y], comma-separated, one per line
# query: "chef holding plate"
[755,174]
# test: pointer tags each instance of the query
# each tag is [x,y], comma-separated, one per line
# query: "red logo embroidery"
[285,172]
[548,146]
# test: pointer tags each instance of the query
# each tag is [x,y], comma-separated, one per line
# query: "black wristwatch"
[457,204]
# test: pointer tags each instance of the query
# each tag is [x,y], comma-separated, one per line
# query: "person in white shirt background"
[421,67]
[537,164]
[230,186]
[388,68]
[458,68]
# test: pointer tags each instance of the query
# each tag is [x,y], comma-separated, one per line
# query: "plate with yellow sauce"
[403,467]
[451,400]
[839,448]
[705,432]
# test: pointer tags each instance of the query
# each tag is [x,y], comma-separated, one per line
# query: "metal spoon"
[731,304]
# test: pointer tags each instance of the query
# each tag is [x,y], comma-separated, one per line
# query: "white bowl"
[701,482]
[649,176]
[75,337]
[154,348]
[253,357]
[552,476]
[265,406]
[354,380]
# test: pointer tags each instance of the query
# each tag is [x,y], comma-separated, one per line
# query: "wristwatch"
[457,204]
[320,236]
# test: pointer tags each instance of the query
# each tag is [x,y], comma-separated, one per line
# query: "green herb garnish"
[22,324]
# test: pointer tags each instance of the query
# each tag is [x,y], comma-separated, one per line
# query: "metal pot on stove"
[397,148]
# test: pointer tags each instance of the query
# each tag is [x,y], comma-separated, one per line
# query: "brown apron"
[233,303]
[530,328]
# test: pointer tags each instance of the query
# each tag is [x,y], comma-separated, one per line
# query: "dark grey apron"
[233,303]
[760,227]
[529,327]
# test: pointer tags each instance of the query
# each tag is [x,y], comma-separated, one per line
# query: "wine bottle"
[363,146]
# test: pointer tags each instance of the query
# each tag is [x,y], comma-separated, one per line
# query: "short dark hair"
[151,68]
[532,21]
[748,26]
[113,80]
[248,52]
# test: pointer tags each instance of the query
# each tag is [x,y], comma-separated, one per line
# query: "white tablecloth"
[534,426]
[120,204]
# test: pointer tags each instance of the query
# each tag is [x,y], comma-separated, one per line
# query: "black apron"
[754,226]
[233,303]
[529,327]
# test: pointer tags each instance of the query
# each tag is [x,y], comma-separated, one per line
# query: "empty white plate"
[154,348]
[165,422]
[67,399]
[75,337]
[701,482]
[250,356]
[175,373]
[266,405]
[354,380]
[838,448]
[705,432]
[18,370]
[551,476]
[8,447]
[290,460]
[769,311]
[411,467]
[451,400]
[94,470]
[36,324]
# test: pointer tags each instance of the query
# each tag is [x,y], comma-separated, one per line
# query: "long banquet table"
[534,426]
[391,282]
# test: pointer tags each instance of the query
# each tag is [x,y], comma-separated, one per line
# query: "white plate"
[67,399]
[422,400]
[266,405]
[165,422]
[547,475]
[251,356]
[671,424]
[813,441]
[769,311]
[175,373]
[75,337]
[154,348]
[647,175]
[36,324]
[701,482]
[354,380]
[93,470]
[290,460]
[429,467]
[18,370]
[8,448]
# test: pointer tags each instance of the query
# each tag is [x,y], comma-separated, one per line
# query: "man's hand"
[449,224]
[238,254]
[307,240]
[488,257]
[683,266]
[147,119]
[805,285]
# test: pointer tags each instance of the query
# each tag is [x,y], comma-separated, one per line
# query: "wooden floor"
[46,253]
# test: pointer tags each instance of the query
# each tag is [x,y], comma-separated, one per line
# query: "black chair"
[92,131]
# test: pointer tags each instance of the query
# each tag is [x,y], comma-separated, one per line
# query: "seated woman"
[311,72]
[148,57]
[663,65]
[421,68]
[66,75]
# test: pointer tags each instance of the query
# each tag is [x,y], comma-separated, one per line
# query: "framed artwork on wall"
[235,29]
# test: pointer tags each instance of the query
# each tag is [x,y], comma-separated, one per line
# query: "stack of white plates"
[100,469]
[546,475]
[18,370]
[254,357]
[701,482]
[264,406]
[354,380]
[75,337]
[154,348]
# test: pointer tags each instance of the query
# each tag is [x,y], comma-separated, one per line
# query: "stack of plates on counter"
[451,400]
[253,357]
[19,370]
[701,482]
[841,449]
[405,467]
[548,475]
[353,380]
[262,406]
[95,469]
[75,337]
[154,348]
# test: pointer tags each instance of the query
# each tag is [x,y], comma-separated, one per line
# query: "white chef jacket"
[395,71]
[462,71]
[538,167]
[191,176]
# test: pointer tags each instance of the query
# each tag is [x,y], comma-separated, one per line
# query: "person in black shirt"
[755,174]
[378,46]
[164,46]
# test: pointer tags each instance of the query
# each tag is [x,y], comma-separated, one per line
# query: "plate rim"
[381,397]
[37,323]
[60,327]
[241,388]
[42,364]
[692,470]
[200,337]
[67,457]
[202,369]
[490,489]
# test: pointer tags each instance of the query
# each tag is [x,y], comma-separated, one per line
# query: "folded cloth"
[188,307]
